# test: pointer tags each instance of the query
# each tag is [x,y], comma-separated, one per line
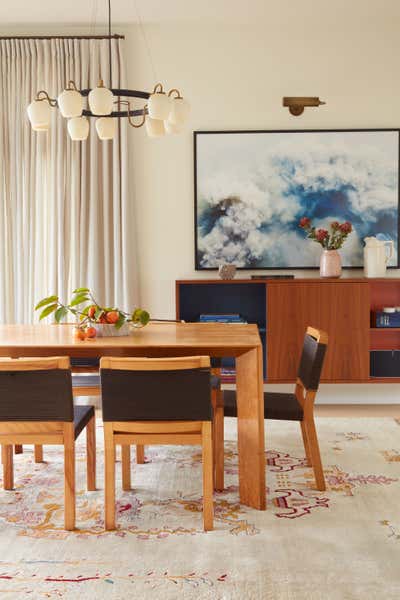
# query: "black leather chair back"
[40,395]
[311,362]
[178,395]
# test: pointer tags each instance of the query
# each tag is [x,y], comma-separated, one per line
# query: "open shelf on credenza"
[246,298]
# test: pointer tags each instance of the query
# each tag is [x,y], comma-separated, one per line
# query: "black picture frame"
[198,133]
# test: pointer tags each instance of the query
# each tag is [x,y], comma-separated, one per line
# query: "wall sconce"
[296,105]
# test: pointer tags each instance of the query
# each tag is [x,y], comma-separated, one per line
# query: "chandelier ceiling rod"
[109,41]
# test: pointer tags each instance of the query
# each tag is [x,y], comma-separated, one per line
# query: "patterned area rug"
[341,544]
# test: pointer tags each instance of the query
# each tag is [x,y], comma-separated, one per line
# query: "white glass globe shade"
[78,128]
[172,127]
[155,127]
[179,111]
[101,101]
[106,128]
[70,103]
[159,106]
[39,115]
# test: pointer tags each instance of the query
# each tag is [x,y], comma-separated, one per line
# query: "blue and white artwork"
[252,188]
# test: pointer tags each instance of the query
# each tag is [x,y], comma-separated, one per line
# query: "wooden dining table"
[174,339]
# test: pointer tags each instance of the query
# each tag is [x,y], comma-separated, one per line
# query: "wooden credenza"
[282,309]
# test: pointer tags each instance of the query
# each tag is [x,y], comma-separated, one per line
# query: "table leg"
[250,408]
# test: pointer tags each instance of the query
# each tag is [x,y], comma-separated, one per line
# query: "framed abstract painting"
[253,187]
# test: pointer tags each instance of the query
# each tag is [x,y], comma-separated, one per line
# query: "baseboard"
[358,410]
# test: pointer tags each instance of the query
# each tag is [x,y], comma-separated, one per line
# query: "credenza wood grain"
[341,309]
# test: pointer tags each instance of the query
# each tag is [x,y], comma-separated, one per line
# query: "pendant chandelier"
[162,113]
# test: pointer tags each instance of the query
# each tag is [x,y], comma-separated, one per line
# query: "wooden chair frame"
[306,399]
[126,433]
[47,432]
[217,399]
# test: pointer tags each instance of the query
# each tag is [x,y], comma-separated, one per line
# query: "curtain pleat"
[65,215]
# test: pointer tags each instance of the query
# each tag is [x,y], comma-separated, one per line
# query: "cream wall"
[235,78]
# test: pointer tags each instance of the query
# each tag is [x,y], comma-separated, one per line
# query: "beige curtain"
[65,209]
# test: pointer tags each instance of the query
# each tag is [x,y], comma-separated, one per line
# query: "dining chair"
[297,406]
[36,407]
[156,401]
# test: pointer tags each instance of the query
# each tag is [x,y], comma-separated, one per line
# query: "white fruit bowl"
[105,330]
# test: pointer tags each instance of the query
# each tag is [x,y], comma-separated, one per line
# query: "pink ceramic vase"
[330,264]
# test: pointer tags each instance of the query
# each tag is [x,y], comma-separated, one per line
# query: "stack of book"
[386,319]
[221,318]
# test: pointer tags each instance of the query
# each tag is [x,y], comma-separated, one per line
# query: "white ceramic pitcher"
[377,254]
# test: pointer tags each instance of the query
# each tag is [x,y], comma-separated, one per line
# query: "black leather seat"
[82,416]
[278,406]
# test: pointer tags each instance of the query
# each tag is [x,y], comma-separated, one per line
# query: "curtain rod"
[62,37]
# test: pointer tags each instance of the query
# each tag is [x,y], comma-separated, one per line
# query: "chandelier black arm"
[117,113]
[127,93]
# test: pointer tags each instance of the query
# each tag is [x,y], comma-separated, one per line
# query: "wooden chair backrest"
[156,389]
[36,389]
[312,358]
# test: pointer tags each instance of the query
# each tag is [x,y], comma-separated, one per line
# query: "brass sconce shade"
[296,104]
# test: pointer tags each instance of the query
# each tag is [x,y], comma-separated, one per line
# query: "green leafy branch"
[84,306]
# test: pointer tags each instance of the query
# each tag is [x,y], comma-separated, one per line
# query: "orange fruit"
[112,316]
[79,334]
[91,332]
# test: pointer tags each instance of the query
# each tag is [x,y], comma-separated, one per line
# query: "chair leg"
[305,442]
[315,454]
[218,444]
[139,454]
[91,454]
[109,459]
[126,467]
[18,449]
[208,468]
[8,466]
[38,453]
[69,476]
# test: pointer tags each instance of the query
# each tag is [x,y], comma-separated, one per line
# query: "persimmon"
[91,311]
[112,317]
[79,334]
[91,332]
